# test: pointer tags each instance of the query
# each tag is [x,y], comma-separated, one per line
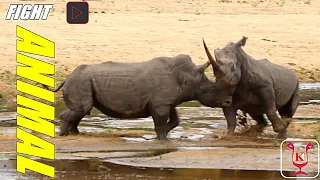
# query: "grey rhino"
[258,86]
[138,90]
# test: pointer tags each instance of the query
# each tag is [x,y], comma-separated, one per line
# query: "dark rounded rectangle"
[77,12]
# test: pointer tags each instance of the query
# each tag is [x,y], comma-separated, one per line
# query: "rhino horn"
[215,65]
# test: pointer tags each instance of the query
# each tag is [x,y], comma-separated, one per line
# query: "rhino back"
[283,80]
[126,87]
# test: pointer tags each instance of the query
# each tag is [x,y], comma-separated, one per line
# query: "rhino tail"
[55,90]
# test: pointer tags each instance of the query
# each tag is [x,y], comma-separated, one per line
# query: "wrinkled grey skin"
[138,90]
[259,87]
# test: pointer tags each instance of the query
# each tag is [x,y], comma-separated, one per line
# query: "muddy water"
[196,123]
[95,169]
[310,93]
[195,118]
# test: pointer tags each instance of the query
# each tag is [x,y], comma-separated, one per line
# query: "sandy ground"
[285,32]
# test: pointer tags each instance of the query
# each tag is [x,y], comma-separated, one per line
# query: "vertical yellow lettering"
[33,145]
[35,70]
[34,119]
[32,114]
[25,163]
[34,44]
[35,91]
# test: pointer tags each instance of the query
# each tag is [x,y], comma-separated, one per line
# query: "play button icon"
[77,12]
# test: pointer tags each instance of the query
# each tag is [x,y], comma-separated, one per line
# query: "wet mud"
[96,169]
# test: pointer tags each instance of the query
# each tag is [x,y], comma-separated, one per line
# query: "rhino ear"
[242,41]
[203,67]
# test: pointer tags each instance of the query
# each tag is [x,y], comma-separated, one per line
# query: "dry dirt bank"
[285,32]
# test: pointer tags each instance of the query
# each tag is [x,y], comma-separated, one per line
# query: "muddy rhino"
[138,90]
[259,87]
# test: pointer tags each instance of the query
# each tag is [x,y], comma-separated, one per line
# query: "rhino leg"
[160,117]
[65,124]
[268,97]
[173,120]
[79,102]
[279,126]
[295,100]
[69,122]
[230,114]
[261,121]
[74,125]
[287,111]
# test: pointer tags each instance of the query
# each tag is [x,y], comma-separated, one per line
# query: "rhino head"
[227,66]
[202,89]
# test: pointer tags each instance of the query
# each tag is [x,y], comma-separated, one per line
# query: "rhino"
[138,90]
[258,87]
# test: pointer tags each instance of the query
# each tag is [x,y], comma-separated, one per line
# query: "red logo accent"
[299,158]
[75,11]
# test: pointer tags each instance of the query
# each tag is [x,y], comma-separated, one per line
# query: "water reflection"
[95,169]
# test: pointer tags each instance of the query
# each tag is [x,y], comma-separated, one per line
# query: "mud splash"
[97,169]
